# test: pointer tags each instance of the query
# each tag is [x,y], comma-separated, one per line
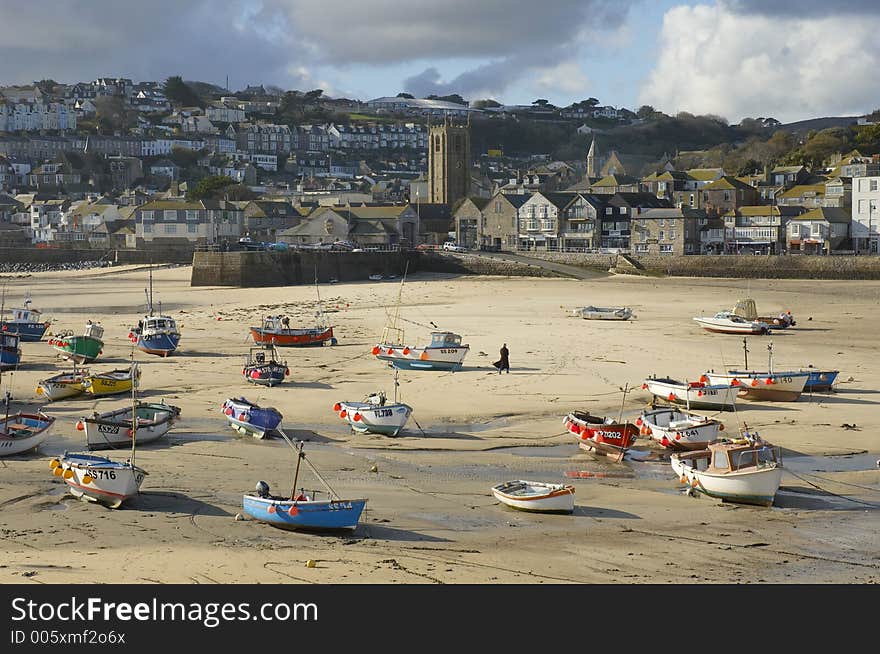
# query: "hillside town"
[118,164]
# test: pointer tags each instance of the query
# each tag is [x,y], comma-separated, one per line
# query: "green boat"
[80,349]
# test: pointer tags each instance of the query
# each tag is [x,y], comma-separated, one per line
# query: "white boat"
[536,496]
[113,429]
[603,313]
[695,395]
[770,385]
[99,479]
[727,322]
[746,470]
[747,309]
[375,415]
[23,432]
[678,429]
[63,385]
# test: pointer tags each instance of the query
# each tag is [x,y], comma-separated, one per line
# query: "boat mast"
[396,384]
[625,389]
[299,457]
[395,321]
[134,416]
[746,352]
[320,313]
[770,357]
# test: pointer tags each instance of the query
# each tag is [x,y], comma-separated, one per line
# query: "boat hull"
[62,386]
[404,357]
[28,332]
[677,429]
[250,419]
[81,349]
[603,313]
[821,381]
[292,337]
[268,374]
[99,479]
[731,329]
[752,385]
[697,396]
[113,429]
[746,487]
[369,418]
[99,385]
[595,434]
[23,432]
[542,498]
[162,345]
[305,514]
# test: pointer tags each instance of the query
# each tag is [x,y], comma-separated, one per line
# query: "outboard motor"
[262,489]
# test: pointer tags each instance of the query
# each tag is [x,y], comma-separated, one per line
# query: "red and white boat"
[276,332]
[677,429]
[697,395]
[602,435]
[727,322]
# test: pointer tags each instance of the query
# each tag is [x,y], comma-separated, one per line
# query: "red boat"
[601,434]
[276,331]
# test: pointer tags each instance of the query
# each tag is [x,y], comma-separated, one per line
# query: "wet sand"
[431,517]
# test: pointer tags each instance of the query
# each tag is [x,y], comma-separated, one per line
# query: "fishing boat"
[63,385]
[744,470]
[113,382]
[113,429]
[250,419]
[100,479]
[23,432]
[155,334]
[303,510]
[535,496]
[747,309]
[258,370]
[696,394]
[83,348]
[770,385]
[820,381]
[599,434]
[375,415]
[26,322]
[678,429]
[274,332]
[603,313]
[10,352]
[727,322]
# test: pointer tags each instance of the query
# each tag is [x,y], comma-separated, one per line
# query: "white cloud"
[715,60]
[567,77]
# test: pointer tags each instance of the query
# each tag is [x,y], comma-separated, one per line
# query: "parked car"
[453,247]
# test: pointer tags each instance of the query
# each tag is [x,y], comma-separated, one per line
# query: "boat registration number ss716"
[101,474]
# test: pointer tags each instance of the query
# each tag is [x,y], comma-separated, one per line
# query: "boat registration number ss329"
[108,429]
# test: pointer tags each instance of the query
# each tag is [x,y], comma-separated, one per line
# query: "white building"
[34,116]
[866,214]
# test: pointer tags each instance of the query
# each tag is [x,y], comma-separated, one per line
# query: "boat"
[727,322]
[257,370]
[744,470]
[747,309]
[83,348]
[113,429]
[302,510]
[375,278]
[63,385]
[599,434]
[26,322]
[23,432]
[274,332]
[155,334]
[770,385]
[250,419]
[696,394]
[603,313]
[10,352]
[678,429]
[113,382]
[100,479]
[375,415]
[820,381]
[535,496]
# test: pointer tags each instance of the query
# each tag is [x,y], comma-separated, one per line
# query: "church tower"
[592,162]
[449,162]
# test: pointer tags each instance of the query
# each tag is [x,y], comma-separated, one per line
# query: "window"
[622,210]
[192,215]
[641,248]
[148,227]
[719,460]
[795,230]
[873,185]
[169,215]
[672,235]
[609,211]
[498,206]
[660,235]
[662,222]
[665,249]
[171,228]
[147,216]
[190,227]
[817,229]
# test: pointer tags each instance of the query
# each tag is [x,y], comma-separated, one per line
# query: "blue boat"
[155,334]
[10,352]
[302,510]
[820,381]
[26,323]
[251,419]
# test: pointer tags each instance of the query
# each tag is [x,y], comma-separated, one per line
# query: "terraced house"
[757,229]
[675,231]
[559,221]
[188,223]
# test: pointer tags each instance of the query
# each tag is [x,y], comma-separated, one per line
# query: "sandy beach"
[431,517]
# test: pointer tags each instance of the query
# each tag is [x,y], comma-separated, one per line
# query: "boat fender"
[376,349]
[287,372]
[720,427]
[87,479]
[337,407]
[129,433]
[343,414]
[406,350]
[79,425]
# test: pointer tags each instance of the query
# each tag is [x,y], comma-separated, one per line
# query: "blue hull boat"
[159,344]
[304,514]
[820,381]
[29,332]
[249,418]
[10,352]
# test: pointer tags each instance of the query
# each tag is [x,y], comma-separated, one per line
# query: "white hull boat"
[445,352]
[763,385]
[536,496]
[695,395]
[727,322]
[374,416]
[677,429]
[98,479]
[114,429]
[603,313]
[23,432]
[746,471]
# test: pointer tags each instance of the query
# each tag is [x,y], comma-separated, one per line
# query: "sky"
[786,59]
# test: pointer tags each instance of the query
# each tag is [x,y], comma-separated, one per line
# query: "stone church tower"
[592,161]
[449,162]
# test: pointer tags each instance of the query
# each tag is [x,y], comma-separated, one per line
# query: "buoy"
[699,393]
[292,511]
[639,422]
[769,381]
[39,390]
[721,427]
[664,442]
[79,425]
[734,382]
[271,508]
[343,413]
[644,387]
[88,479]
[390,351]
[239,517]
[376,349]
[704,379]
[357,417]
[67,474]
[337,407]
[54,463]
[287,372]
[754,382]
[311,563]
[424,355]
[678,436]
[671,397]
[58,471]
[406,350]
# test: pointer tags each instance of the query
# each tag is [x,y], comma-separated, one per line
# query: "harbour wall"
[53,256]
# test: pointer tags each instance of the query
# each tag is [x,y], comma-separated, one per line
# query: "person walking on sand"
[503,363]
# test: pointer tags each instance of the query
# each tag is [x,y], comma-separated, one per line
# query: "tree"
[211,187]
[749,167]
[454,97]
[184,157]
[590,102]
[487,103]
[180,94]
[113,115]
[541,102]
[314,95]
[408,96]
[646,111]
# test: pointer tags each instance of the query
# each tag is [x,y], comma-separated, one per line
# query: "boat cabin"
[25,315]
[445,339]
[727,456]
[276,323]
[159,324]
[94,330]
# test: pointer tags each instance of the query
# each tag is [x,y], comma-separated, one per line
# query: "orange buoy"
[337,407]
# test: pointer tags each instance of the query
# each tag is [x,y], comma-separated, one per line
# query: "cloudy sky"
[789,59]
